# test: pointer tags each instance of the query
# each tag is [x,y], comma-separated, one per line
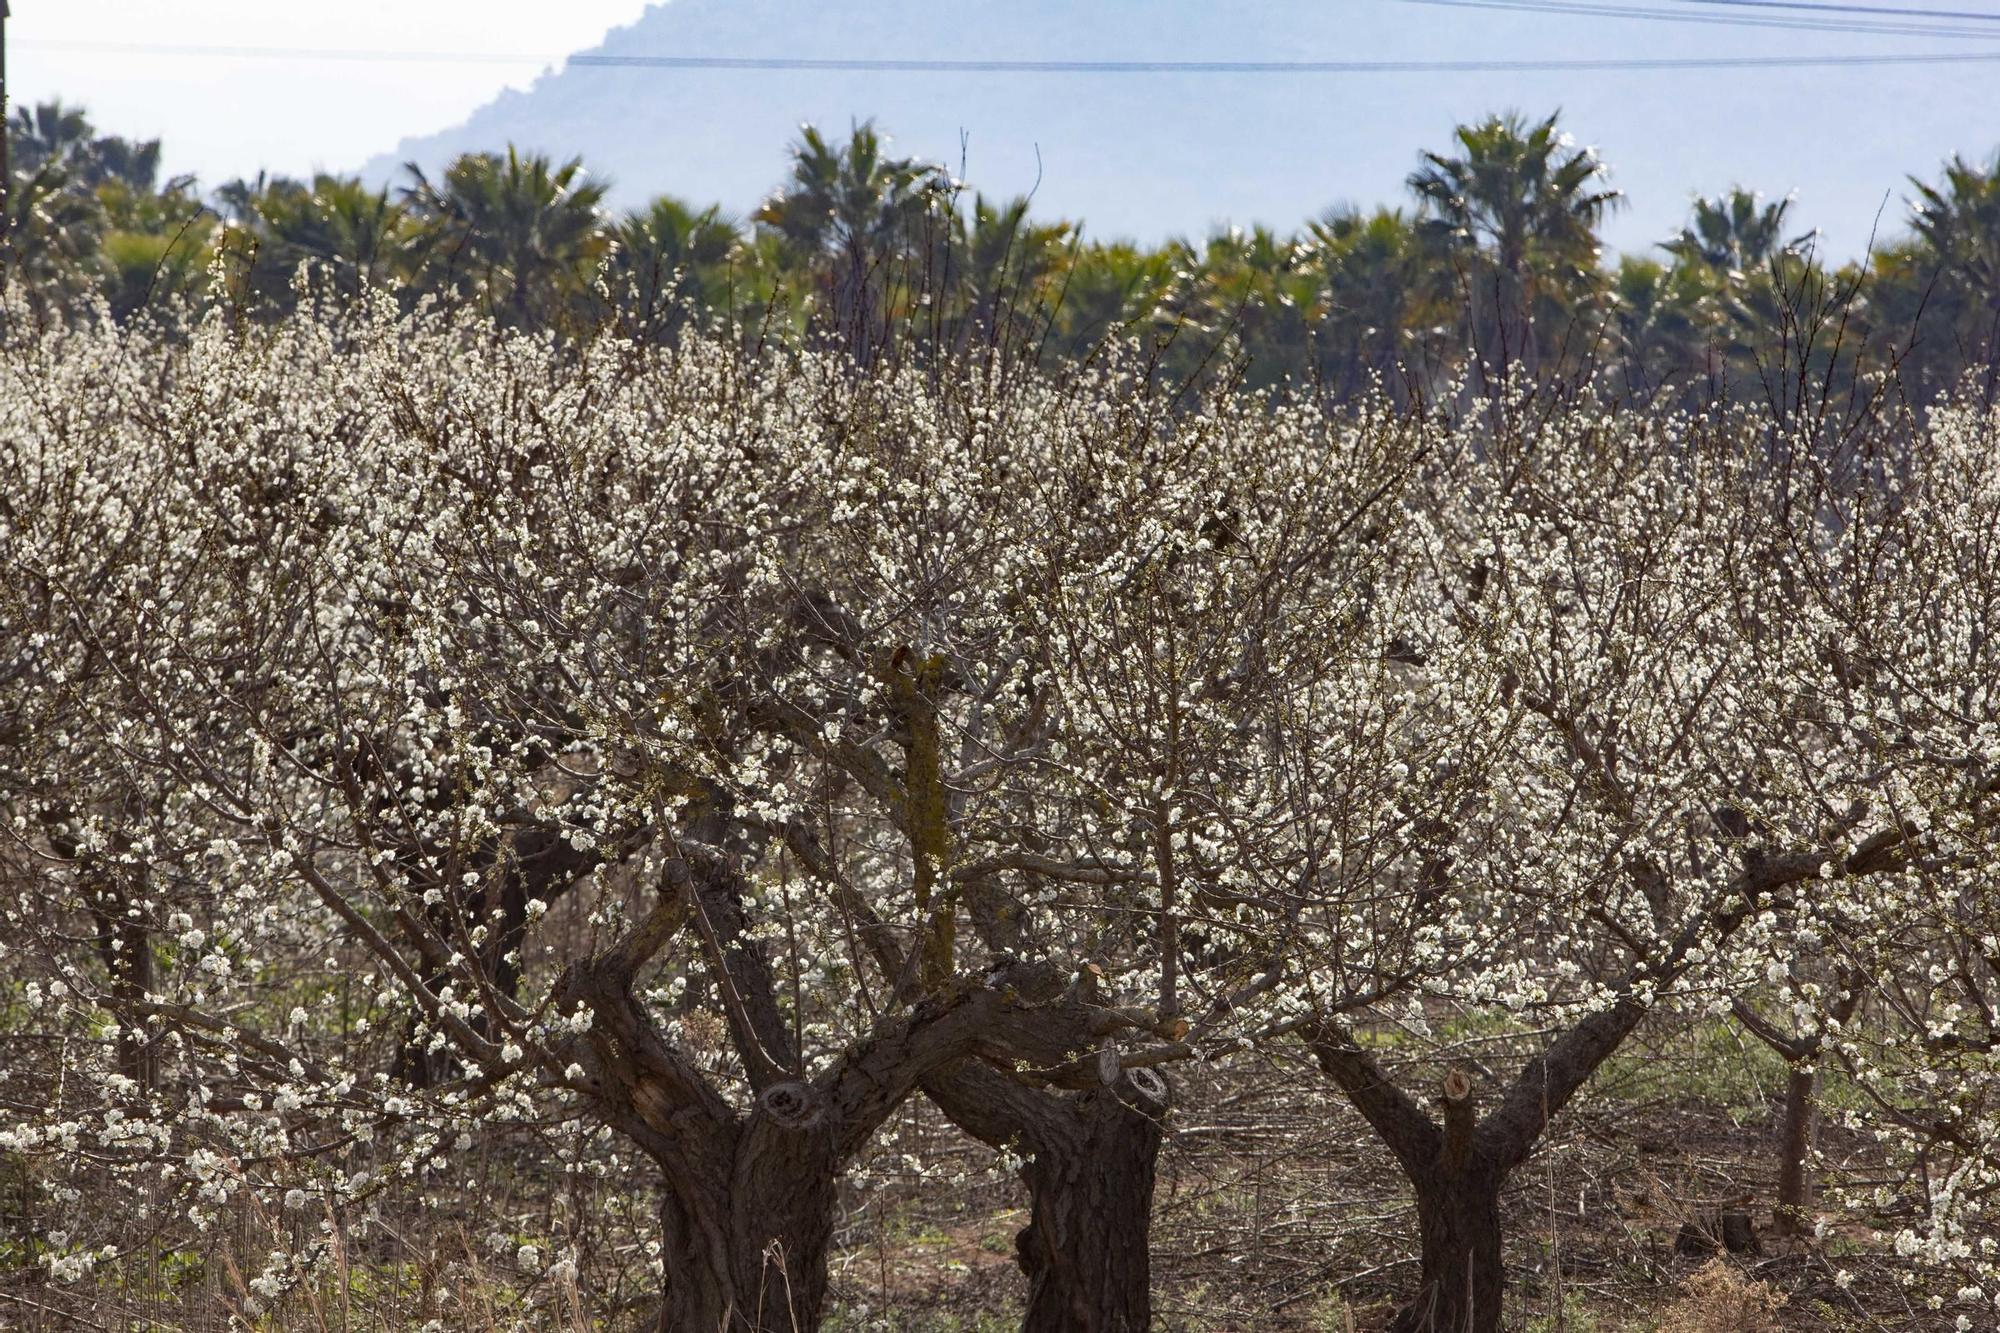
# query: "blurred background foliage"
[1492,268]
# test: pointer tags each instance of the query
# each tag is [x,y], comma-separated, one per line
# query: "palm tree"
[157,245]
[851,198]
[1001,267]
[1791,339]
[515,233]
[1928,319]
[54,230]
[1248,293]
[1519,208]
[336,223]
[48,132]
[862,224]
[1959,220]
[1668,322]
[1934,300]
[666,260]
[134,162]
[241,200]
[1960,217]
[1736,232]
[1371,309]
[55,133]
[1109,290]
[86,210]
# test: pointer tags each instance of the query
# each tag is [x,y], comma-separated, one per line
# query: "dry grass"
[1275,1212]
[1717,1298]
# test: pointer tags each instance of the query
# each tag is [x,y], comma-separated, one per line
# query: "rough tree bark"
[745,1237]
[1086,1247]
[1086,1250]
[1457,1169]
[1464,1284]
[750,1195]
[1458,1222]
[1795,1180]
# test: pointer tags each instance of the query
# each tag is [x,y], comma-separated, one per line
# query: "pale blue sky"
[224,116]
[1139,155]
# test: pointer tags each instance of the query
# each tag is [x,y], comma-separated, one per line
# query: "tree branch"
[1408,1130]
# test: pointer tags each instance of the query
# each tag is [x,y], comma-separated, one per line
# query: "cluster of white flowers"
[451,675]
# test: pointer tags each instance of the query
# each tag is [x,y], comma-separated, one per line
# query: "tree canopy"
[1496,265]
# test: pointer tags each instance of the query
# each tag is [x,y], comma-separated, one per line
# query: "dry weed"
[1717,1298]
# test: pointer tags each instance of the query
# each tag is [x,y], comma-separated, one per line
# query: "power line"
[1976,15]
[1491,66]
[290,53]
[874,65]
[1567,9]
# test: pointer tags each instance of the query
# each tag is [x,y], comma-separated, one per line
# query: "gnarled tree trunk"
[1086,1250]
[1086,1246]
[745,1241]
[750,1194]
[1464,1279]
[1458,1166]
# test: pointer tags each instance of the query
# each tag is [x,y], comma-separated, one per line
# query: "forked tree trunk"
[1086,1250]
[748,1254]
[749,1206]
[1464,1279]
[1457,1164]
[749,1211]
[1798,1122]
[1085,1247]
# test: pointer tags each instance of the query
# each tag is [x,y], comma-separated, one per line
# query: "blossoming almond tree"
[1896,584]
[434,631]
[1604,600]
[411,732]
[1170,579]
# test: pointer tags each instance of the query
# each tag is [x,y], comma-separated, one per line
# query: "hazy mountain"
[1151,155]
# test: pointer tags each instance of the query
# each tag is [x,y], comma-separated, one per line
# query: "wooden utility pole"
[6,167]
